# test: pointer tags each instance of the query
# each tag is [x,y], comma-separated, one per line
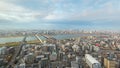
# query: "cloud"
[108,11]
[90,10]
[84,10]
[54,16]
[50,17]
[12,12]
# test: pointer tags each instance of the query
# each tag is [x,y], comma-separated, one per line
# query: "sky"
[60,14]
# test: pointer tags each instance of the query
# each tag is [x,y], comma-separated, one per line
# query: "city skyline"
[60,14]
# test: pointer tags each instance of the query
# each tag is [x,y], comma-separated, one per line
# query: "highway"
[17,53]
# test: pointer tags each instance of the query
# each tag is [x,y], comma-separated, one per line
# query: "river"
[30,38]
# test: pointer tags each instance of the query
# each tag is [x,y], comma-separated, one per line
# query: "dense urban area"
[86,49]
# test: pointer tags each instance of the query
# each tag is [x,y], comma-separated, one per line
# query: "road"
[17,53]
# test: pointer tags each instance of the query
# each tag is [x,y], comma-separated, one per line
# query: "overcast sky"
[60,14]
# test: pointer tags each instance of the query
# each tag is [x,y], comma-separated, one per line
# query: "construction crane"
[17,53]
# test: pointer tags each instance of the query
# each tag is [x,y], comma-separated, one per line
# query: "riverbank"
[14,40]
[9,44]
